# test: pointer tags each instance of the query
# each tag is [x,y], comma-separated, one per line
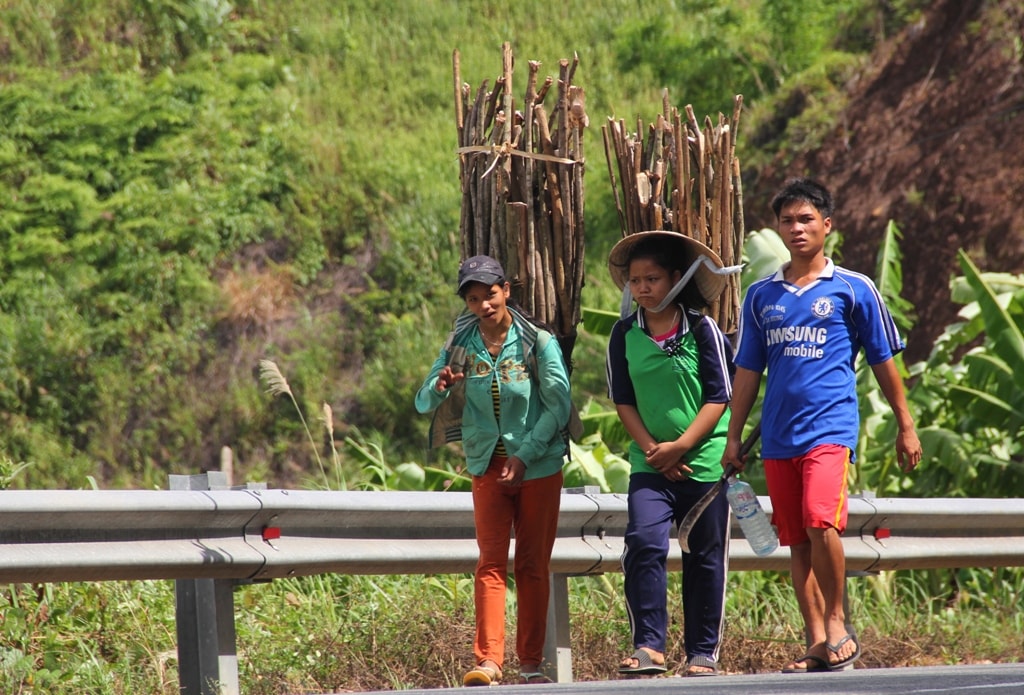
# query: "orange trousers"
[530,511]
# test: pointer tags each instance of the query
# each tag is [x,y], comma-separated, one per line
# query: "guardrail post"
[207,657]
[557,651]
[205,609]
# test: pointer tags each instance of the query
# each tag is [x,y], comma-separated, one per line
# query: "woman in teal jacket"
[501,385]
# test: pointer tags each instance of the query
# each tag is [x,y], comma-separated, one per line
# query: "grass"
[332,633]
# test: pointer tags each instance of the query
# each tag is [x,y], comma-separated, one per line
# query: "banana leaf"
[1004,334]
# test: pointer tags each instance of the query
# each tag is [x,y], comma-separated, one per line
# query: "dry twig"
[521,170]
[684,178]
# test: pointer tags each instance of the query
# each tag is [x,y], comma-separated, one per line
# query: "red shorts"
[808,491]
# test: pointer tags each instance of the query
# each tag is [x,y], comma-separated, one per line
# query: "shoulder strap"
[573,429]
[540,343]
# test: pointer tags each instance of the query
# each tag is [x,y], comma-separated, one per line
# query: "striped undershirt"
[499,450]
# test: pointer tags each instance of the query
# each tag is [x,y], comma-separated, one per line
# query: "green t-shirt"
[668,389]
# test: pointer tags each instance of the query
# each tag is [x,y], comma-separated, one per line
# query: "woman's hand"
[667,458]
[513,472]
[446,378]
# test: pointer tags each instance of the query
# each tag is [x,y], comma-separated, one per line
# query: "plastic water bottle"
[760,534]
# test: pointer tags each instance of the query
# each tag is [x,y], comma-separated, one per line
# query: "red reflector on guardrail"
[271,533]
[882,533]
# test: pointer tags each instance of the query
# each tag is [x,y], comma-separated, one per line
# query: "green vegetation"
[189,187]
[332,633]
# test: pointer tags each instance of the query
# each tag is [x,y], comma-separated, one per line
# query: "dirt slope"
[932,140]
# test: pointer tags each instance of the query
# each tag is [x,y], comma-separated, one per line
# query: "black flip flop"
[835,648]
[819,664]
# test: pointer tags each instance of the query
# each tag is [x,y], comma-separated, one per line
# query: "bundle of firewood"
[521,170]
[685,178]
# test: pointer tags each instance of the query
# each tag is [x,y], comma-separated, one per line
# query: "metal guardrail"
[210,540]
[84,535]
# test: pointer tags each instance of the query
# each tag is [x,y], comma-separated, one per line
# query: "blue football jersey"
[807,339]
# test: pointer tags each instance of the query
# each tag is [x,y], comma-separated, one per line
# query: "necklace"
[675,320]
[490,342]
[661,332]
[500,342]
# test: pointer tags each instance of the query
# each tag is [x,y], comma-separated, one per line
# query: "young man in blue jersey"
[805,325]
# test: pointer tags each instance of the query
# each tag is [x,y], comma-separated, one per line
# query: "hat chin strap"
[627,295]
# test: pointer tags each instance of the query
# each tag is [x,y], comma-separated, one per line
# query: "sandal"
[645,665]
[811,663]
[482,675]
[533,678]
[842,664]
[696,665]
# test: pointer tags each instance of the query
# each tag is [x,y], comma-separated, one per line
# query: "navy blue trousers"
[656,505]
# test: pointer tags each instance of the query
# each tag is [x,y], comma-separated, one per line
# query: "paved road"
[992,679]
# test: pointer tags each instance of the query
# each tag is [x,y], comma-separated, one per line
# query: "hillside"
[930,138]
[192,187]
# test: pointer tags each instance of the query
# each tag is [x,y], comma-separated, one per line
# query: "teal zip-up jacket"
[534,410]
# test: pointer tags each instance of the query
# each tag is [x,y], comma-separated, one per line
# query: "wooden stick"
[515,248]
[572,313]
[606,135]
[683,180]
[562,233]
[542,94]
[528,183]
